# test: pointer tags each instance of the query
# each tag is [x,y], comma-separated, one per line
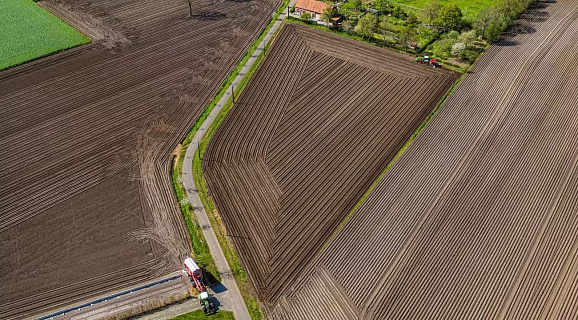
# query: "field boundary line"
[254,54]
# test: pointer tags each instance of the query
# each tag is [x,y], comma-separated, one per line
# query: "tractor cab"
[204,300]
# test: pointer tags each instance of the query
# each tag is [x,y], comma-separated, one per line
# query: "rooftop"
[312,5]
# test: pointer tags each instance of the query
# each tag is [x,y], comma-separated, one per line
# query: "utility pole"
[190,8]
[287,11]
[233,93]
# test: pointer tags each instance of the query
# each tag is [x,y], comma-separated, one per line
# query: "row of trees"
[370,24]
[488,22]
[458,33]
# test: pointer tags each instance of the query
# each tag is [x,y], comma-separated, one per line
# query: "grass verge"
[199,315]
[198,242]
[200,248]
[29,32]
[201,183]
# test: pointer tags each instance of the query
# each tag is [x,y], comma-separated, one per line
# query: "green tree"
[306,16]
[327,14]
[483,19]
[511,8]
[383,28]
[458,49]
[406,35]
[366,25]
[467,38]
[431,11]
[381,5]
[450,17]
[495,29]
[357,4]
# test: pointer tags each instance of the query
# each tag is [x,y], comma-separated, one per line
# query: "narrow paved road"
[231,298]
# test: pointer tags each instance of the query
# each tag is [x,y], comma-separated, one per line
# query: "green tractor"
[206,303]
[428,61]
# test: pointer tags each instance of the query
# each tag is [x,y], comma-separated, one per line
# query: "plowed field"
[86,203]
[479,217]
[319,120]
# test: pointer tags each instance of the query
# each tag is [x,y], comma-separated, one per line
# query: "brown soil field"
[478,219]
[86,136]
[319,120]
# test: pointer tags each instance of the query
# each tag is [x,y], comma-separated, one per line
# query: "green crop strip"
[29,32]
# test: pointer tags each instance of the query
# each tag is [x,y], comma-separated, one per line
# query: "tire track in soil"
[86,202]
[498,239]
[284,174]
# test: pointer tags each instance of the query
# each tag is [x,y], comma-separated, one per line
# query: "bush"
[454,35]
[348,26]
[458,49]
[470,55]
[411,20]
[306,16]
[443,48]
[398,12]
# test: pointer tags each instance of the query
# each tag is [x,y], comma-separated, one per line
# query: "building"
[313,7]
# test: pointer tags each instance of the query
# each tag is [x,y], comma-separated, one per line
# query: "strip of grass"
[201,183]
[199,315]
[198,241]
[200,248]
[29,32]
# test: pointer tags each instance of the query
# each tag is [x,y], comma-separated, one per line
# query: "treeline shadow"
[525,24]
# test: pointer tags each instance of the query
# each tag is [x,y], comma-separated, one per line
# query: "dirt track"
[319,120]
[479,217]
[86,137]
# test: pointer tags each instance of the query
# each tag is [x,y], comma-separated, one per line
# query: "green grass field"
[469,7]
[199,315]
[28,32]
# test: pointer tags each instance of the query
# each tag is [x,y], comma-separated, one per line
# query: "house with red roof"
[313,7]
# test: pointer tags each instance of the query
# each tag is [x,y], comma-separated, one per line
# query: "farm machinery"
[205,302]
[195,275]
[429,62]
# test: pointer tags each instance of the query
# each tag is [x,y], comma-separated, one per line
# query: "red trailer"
[195,274]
